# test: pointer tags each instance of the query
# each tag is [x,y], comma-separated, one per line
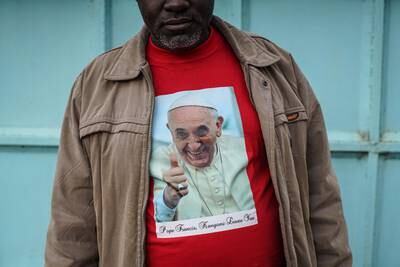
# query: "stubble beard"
[180,42]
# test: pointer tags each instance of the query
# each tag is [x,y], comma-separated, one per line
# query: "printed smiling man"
[203,173]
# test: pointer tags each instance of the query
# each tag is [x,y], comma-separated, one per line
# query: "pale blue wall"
[349,50]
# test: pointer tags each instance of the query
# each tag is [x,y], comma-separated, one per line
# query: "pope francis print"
[203,172]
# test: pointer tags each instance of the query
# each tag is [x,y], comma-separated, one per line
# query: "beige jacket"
[102,179]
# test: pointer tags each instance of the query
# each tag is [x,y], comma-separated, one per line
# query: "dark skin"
[177,25]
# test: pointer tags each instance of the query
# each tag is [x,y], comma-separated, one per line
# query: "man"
[102,208]
[205,171]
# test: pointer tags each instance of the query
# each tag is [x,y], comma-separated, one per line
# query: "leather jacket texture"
[101,183]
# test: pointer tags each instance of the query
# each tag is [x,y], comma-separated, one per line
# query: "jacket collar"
[132,58]
[245,47]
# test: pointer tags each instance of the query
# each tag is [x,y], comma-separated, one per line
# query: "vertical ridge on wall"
[230,11]
[245,15]
[371,199]
[376,65]
[374,116]
[371,70]
[108,25]
[386,234]
[370,113]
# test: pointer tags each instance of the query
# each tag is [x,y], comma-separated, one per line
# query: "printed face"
[177,25]
[194,131]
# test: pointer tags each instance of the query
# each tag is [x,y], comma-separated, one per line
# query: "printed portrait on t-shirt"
[198,164]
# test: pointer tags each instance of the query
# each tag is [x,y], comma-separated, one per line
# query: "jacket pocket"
[137,126]
[291,129]
[115,145]
[290,116]
[293,117]
[117,152]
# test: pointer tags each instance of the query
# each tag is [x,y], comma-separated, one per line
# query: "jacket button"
[265,83]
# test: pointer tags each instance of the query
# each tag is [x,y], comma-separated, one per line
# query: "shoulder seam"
[111,50]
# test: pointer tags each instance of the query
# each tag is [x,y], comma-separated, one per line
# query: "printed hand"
[177,184]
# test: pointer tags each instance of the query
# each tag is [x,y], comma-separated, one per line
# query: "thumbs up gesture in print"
[177,183]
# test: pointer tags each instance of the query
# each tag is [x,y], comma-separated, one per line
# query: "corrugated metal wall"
[349,49]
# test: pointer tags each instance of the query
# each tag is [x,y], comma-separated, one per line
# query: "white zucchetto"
[192,99]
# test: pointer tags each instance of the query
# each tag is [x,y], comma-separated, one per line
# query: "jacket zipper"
[145,72]
[269,152]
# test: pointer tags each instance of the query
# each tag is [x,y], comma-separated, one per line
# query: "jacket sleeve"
[71,237]
[326,212]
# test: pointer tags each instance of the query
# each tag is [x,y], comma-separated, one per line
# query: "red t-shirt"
[213,65]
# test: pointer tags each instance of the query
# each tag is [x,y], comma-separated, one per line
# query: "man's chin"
[180,42]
